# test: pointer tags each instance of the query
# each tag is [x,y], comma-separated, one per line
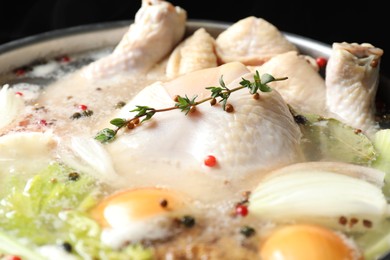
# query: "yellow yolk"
[135,205]
[305,242]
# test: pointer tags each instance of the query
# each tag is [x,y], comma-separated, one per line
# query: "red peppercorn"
[13,257]
[64,58]
[241,210]
[83,107]
[42,122]
[210,161]
[321,62]
[20,72]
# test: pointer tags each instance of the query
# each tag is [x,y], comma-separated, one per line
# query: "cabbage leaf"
[51,208]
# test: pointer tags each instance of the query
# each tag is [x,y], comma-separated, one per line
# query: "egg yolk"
[305,242]
[138,204]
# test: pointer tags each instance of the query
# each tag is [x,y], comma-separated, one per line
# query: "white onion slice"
[22,145]
[26,151]
[88,155]
[11,106]
[323,196]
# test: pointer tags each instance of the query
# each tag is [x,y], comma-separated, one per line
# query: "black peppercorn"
[188,221]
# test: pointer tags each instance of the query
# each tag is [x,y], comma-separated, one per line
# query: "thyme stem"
[187,105]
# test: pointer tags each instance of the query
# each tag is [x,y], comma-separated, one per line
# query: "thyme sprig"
[188,105]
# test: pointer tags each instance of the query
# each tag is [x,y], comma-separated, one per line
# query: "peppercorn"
[42,122]
[247,231]
[73,176]
[120,104]
[67,247]
[367,223]
[353,221]
[192,109]
[343,220]
[210,161]
[130,125]
[164,203]
[11,257]
[299,119]
[188,221]
[87,113]
[63,59]
[229,108]
[83,107]
[241,210]
[321,62]
[76,115]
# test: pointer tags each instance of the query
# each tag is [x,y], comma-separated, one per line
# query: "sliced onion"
[11,106]
[327,195]
[382,162]
[88,155]
[26,151]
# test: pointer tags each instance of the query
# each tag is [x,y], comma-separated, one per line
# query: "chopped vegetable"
[375,243]
[88,155]
[320,195]
[382,146]
[10,245]
[52,206]
[11,105]
[46,194]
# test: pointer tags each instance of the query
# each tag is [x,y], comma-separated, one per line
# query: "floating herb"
[336,140]
[188,105]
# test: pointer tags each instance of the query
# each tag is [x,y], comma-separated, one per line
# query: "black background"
[325,21]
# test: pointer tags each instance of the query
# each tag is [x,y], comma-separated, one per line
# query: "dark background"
[325,21]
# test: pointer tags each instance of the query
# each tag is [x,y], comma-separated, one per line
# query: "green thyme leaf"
[118,122]
[215,91]
[148,116]
[224,99]
[142,110]
[184,103]
[267,78]
[222,83]
[105,135]
[265,88]
[256,77]
[246,83]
